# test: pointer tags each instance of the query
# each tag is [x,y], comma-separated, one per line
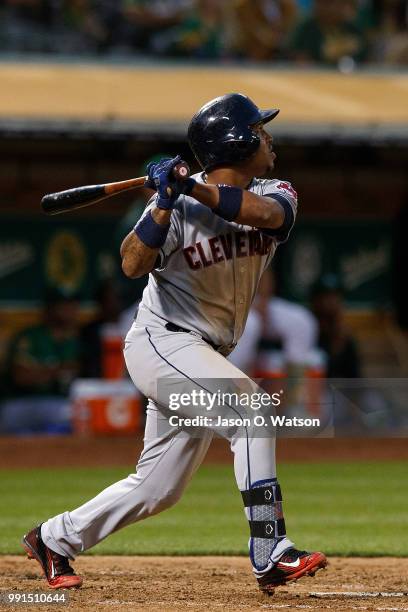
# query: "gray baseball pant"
[170,456]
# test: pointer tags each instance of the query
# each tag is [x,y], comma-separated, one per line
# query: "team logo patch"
[288,188]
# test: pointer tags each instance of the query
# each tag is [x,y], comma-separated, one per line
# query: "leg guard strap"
[262,495]
[268,529]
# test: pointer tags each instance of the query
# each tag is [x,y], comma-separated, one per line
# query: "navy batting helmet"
[221,133]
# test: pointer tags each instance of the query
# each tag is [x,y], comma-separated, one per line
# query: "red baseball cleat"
[292,565]
[57,570]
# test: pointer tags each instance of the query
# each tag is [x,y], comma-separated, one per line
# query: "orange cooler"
[105,407]
[113,363]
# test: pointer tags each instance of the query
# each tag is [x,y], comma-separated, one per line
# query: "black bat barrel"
[71,199]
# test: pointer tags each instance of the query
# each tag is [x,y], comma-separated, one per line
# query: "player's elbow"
[273,216]
[131,269]
[277,217]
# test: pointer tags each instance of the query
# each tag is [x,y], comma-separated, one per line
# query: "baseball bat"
[78,197]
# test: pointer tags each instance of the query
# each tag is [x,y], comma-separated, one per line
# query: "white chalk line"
[115,602]
[356,594]
[302,607]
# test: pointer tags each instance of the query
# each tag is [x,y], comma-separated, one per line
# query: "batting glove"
[160,178]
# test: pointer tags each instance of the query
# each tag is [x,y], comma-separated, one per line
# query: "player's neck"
[235,177]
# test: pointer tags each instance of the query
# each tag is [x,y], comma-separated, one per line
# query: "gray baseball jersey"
[210,268]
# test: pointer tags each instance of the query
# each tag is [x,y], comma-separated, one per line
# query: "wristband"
[152,234]
[188,185]
[229,204]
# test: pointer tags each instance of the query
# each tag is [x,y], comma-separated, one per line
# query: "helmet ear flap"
[235,145]
[243,149]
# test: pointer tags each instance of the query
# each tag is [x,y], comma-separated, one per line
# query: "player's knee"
[170,498]
[166,499]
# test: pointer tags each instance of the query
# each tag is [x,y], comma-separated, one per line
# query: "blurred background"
[92,91]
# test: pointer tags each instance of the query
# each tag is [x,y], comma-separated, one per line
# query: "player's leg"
[195,365]
[163,471]
[165,467]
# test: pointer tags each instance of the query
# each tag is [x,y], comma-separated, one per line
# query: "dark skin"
[256,211]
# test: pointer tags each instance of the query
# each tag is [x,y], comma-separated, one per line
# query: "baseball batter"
[205,242]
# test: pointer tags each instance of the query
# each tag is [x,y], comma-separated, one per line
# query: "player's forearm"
[206,194]
[139,259]
[255,210]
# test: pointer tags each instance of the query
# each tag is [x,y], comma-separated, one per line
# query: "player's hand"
[160,178]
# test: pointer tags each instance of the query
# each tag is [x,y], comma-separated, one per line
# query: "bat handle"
[181,172]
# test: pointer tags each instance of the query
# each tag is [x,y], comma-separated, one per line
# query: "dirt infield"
[72,451]
[215,583]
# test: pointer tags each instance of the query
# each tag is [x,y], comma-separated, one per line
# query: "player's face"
[265,156]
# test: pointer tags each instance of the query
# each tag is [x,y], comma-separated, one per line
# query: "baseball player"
[205,242]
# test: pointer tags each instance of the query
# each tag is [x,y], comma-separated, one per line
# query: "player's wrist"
[188,186]
[161,216]
[205,194]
